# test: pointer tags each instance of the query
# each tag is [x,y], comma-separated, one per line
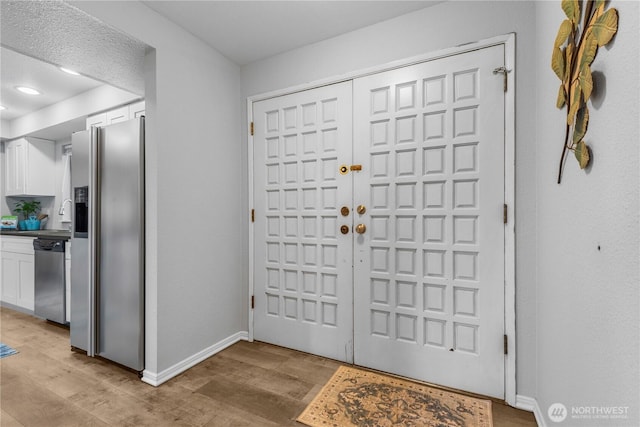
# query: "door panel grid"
[303,263]
[429,276]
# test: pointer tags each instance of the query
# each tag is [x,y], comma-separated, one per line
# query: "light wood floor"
[248,384]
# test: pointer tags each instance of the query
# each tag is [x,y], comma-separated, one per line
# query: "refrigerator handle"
[94,230]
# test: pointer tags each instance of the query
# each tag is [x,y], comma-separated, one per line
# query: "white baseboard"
[16,308]
[530,404]
[155,379]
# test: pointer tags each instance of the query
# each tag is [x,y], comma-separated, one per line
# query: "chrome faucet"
[61,211]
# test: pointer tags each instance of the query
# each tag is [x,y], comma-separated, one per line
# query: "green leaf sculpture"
[573,53]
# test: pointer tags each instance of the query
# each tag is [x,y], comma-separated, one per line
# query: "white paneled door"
[429,270]
[412,162]
[303,263]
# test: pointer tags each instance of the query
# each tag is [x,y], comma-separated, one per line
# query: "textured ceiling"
[247,31]
[60,34]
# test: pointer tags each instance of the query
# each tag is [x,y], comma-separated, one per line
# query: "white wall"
[55,221]
[588,231]
[439,27]
[193,186]
[5,126]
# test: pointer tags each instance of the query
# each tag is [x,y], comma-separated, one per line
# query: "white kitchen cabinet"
[118,115]
[121,114]
[97,120]
[18,269]
[136,109]
[10,277]
[30,167]
[67,279]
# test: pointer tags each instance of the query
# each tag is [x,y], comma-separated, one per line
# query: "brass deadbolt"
[344,211]
[344,229]
[344,170]
[361,209]
[361,228]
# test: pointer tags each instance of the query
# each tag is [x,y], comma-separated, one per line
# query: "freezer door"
[81,310]
[120,288]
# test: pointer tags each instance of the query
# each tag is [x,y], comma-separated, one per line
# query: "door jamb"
[509,42]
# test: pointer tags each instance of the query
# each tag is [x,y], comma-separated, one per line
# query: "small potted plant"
[28,209]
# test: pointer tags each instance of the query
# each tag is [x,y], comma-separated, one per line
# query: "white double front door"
[378,234]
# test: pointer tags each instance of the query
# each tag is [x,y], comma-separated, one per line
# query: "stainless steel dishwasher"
[50,279]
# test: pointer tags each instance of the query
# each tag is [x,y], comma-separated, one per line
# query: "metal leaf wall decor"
[573,52]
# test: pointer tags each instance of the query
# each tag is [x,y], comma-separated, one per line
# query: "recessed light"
[27,90]
[68,71]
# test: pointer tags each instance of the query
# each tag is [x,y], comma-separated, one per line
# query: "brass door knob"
[344,229]
[344,211]
[361,228]
[361,209]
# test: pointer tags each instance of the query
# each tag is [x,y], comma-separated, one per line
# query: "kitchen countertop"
[46,234]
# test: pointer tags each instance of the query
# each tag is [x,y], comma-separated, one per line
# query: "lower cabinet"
[17,270]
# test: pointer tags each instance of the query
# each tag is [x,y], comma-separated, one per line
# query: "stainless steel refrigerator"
[107,243]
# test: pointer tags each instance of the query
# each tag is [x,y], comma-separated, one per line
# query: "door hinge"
[506,344]
[504,72]
[253,215]
[251,128]
[253,302]
[505,216]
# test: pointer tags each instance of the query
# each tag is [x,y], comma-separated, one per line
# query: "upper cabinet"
[136,110]
[121,114]
[30,167]
[118,115]
[97,120]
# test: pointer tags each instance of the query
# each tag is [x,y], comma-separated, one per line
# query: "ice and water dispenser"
[81,201]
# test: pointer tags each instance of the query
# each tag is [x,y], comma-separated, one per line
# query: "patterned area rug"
[354,397]
[5,350]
